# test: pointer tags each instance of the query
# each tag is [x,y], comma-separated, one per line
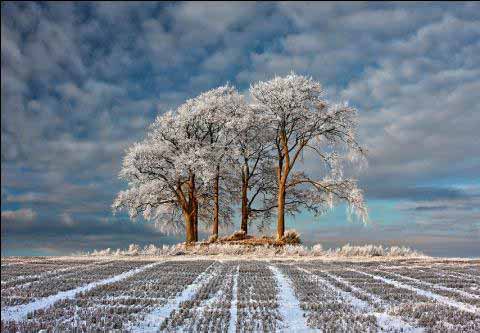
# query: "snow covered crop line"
[458,275]
[257,294]
[385,322]
[155,318]
[429,294]
[433,286]
[355,302]
[209,309]
[292,314]
[27,280]
[19,312]
[373,298]
[233,307]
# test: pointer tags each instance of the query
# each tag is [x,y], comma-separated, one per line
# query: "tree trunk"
[193,203]
[216,204]
[195,221]
[281,211]
[195,226]
[190,235]
[244,225]
[283,170]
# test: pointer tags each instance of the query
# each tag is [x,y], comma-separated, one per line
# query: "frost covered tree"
[212,115]
[190,158]
[302,120]
[179,165]
[162,177]
[253,160]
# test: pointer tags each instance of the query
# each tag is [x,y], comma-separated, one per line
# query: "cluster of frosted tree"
[217,152]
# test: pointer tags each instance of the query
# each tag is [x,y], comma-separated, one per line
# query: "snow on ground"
[435,286]
[284,295]
[292,314]
[386,322]
[353,301]
[233,307]
[426,293]
[20,280]
[154,319]
[20,312]
[373,298]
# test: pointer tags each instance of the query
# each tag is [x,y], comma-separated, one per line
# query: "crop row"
[24,271]
[249,296]
[54,271]
[51,285]
[114,306]
[406,303]
[326,309]
[453,289]
[257,307]
[209,309]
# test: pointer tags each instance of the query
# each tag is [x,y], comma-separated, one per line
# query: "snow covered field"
[148,294]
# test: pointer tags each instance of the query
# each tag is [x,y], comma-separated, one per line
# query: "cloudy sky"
[81,82]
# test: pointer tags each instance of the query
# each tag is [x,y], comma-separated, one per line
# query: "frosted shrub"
[294,250]
[150,250]
[266,250]
[373,251]
[317,250]
[396,251]
[104,252]
[291,237]
[212,238]
[237,235]
[360,251]
[133,250]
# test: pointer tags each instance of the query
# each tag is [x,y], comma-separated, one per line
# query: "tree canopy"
[216,152]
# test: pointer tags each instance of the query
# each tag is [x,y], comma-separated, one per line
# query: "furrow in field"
[452,274]
[119,305]
[209,309]
[292,314]
[468,271]
[51,286]
[426,293]
[364,301]
[233,307]
[240,295]
[406,304]
[20,272]
[257,307]
[457,294]
[19,312]
[325,308]
[460,278]
[28,280]
[179,310]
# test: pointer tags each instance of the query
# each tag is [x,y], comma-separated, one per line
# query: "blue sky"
[81,82]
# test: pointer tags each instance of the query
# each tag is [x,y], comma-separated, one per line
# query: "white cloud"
[79,86]
[67,220]
[421,109]
[20,215]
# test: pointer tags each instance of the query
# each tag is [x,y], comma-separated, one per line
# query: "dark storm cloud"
[81,81]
